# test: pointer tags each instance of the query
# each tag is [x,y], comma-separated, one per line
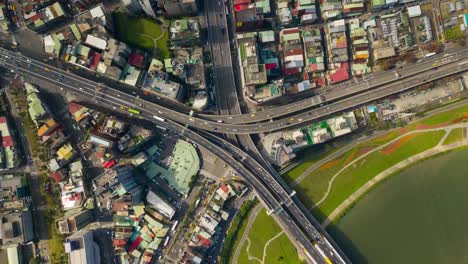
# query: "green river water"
[417,216]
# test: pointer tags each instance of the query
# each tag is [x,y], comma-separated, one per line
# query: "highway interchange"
[289,211]
[270,192]
[448,65]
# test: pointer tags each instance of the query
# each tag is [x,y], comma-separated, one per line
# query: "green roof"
[185,164]
[35,107]
[75,31]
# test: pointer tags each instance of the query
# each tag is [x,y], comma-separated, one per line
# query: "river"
[418,216]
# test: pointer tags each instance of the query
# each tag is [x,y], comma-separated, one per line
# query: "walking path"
[245,235]
[267,244]
[439,148]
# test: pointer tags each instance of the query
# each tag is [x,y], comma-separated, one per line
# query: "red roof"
[57,176]
[241,7]
[237,2]
[95,60]
[341,74]
[136,60]
[7,142]
[204,241]
[2,119]
[294,52]
[291,31]
[108,164]
[224,188]
[35,17]
[135,244]
[291,71]
[119,242]
[74,107]
[270,66]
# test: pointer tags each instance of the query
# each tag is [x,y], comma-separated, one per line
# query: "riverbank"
[340,211]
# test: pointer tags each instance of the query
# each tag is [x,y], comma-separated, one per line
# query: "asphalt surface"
[449,64]
[336,91]
[228,104]
[269,191]
[116,100]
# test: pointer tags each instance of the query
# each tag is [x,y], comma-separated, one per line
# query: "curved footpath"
[439,148]
[245,235]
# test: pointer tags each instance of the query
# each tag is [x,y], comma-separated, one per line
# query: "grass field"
[452,116]
[311,156]
[280,250]
[351,179]
[140,32]
[455,135]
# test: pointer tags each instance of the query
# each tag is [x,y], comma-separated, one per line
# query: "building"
[7,150]
[338,59]
[74,222]
[249,14]
[82,249]
[115,182]
[181,170]
[179,8]
[36,109]
[160,205]
[17,228]
[44,19]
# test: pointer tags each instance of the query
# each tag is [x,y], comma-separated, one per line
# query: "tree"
[34,260]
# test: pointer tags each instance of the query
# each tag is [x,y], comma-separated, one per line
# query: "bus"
[174,226]
[134,111]
[430,54]
[158,118]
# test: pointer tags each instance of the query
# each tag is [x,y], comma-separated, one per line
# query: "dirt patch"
[395,145]
[364,151]
[460,119]
[350,158]
[330,164]
[423,126]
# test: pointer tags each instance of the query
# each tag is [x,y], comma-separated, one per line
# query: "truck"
[430,54]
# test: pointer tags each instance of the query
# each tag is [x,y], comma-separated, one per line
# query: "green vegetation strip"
[234,231]
[455,135]
[280,250]
[141,32]
[352,178]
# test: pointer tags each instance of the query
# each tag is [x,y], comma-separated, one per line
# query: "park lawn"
[450,116]
[263,229]
[282,251]
[131,30]
[455,135]
[315,184]
[311,157]
[244,257]
[240,233]
[351,179]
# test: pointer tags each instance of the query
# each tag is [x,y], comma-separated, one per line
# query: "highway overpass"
[272,194]
[449,65]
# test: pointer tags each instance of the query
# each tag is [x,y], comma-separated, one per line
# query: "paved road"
[116,99]
[454,63]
